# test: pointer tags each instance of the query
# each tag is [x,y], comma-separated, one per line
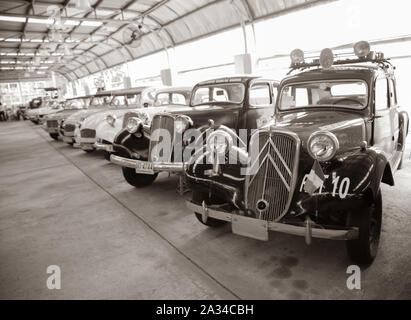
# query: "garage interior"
[62,206]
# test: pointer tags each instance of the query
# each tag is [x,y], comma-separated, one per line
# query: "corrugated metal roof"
[98,43]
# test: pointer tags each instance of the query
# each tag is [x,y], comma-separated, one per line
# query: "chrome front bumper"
[81,140]
[258,229]
[103,146]
[155,166]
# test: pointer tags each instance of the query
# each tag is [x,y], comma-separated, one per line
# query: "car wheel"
[138,180]
[107,155]
[364,249]
[55,136]
[35,121]
[199,197]
[88,150]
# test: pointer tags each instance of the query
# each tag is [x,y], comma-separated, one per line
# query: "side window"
[381,94]
[162,99]
[260,95]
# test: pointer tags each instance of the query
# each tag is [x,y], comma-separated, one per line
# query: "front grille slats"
[69,128]
[52,124]
[275,177]
[88,133]
[166,123]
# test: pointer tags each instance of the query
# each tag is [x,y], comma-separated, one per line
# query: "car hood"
[82,114]
[348,127]
[93,120]
[62,114]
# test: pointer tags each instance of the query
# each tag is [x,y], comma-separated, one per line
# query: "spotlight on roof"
[83,5]
[326,58]
[297,56]
[362,49]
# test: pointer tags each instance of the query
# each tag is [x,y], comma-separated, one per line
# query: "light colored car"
[54,122]
[169,98]
[48,106]
[95,103]
[119,103]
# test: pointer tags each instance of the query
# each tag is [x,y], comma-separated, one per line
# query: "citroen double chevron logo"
[268,146]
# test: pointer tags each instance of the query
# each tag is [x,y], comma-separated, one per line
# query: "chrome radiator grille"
[270,186]
[88,133]
[52,124]
[165,122]
[69,128]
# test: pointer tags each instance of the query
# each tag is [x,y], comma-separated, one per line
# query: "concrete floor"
[61,206]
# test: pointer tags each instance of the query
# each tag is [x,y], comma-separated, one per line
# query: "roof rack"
[363,54]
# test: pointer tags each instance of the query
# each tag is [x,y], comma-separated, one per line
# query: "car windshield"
[167,98]
[74,104]
[352,94]
[218,93]
[101,101]
[118,101]
[133,99]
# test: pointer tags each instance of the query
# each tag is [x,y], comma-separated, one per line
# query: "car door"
[383,125]
[260,105]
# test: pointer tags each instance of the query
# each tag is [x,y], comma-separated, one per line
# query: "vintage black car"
[237,102]
[315,170]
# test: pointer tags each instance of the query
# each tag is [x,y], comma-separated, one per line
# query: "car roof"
[174,89]
[363,72]
[120,92]
[228,79]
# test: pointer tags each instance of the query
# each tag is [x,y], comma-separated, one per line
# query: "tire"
[107,155]
[199,197]
[364,249]
[35,121]
[138,180]
[88,151]
[55,136]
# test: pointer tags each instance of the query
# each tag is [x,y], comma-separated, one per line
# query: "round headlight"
[133,125]
[111,119]
[220,142]
[323,145]
[181,124]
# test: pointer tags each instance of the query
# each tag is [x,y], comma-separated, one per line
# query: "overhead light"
[36,40]
[88,23]
[12,40]
[83,5]
[41,21]
[12,19]
[71,23]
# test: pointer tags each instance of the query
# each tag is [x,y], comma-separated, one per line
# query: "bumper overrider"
[103,146]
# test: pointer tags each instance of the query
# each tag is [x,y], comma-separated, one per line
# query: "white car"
[54,122]
[119,103]
[47,107]
[165,99]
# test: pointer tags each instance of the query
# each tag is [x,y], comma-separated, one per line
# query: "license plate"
[144,167]
[109,148]
[67,139]
[250,227]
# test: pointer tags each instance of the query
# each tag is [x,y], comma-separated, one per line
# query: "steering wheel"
[348,99]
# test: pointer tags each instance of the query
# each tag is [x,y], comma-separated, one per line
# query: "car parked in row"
[54,122]
[121,101]
[316,169]
[236,101]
